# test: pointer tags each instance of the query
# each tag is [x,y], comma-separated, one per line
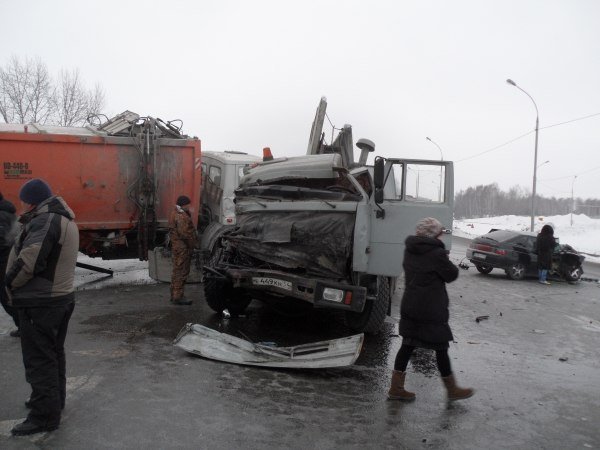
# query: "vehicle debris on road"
[212,344]
[480,318]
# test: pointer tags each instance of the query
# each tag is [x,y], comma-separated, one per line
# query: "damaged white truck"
[325,229]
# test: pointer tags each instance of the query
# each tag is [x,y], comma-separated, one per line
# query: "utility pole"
[535,166]
[572,199]
[442,158]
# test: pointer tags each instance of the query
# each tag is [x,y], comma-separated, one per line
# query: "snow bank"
[126,272]
[583,235]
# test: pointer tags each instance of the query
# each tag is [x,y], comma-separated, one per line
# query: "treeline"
[489,200]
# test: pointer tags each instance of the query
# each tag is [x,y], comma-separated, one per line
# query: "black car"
[515,253]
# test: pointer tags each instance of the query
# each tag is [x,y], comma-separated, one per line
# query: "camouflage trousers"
[182,258]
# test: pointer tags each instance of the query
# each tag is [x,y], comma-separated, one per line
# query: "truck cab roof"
[297,167]
[232,157]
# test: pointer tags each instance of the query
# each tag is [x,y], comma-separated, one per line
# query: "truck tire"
[220,295]
[371,319]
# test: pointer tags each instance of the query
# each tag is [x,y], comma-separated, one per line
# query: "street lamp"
[545,162]
[442,158]
[537,127]
[572,199]
[435,143]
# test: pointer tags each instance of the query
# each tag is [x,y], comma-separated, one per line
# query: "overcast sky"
[243,75]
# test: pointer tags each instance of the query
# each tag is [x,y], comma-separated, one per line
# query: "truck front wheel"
[219,293]
[371,319]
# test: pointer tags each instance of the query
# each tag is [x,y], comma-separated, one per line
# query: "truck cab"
[325,230]
[221,174]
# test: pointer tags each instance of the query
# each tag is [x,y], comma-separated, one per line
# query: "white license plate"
[262,281]
[479,255]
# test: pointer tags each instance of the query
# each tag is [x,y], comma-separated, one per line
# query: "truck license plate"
[479,255]
[261,281]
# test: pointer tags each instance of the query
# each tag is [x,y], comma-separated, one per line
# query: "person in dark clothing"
[39,280]
[545,243]
[7,231]
[424,308]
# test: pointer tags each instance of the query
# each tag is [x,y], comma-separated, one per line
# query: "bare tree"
[96,101]
[26,91]
[73,102]
[70,100]
[28,94]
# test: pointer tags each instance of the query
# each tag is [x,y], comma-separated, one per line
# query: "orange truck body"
[95,175]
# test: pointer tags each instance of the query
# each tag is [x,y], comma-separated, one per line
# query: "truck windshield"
[336,189]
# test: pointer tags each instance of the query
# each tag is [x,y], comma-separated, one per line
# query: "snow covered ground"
[126,272]
[583,235]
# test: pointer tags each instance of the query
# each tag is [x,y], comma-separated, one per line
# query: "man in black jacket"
[7,227]
[39,280]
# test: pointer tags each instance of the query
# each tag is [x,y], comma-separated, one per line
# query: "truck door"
[409,191]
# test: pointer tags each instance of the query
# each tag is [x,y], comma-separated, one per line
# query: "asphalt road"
[534,362]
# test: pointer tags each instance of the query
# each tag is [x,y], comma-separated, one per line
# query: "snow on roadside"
[126,272]
[583,235]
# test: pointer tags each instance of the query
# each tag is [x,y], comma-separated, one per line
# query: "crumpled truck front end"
[302,254]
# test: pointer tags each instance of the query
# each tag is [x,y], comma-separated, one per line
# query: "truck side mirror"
[378,179]
[378,173]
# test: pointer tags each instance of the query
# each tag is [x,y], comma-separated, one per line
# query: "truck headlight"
[333,295]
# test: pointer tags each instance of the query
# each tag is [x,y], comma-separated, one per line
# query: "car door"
[530,244]
[522,248]
[412,189]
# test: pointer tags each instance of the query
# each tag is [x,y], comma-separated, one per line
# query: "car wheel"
[573,273]
[483,268]
[516,271]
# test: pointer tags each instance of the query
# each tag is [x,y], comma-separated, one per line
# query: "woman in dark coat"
[545,246]
[424,309]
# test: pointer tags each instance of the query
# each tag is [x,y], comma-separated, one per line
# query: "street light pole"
[442,158]
[537,128]
[435,143]
[572,199]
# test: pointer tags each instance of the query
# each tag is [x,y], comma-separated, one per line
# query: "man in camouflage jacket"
[183,239]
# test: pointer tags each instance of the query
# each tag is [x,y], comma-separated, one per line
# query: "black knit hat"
[183,200]
[35,192]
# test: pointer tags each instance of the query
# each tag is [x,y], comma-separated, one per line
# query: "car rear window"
[500,235]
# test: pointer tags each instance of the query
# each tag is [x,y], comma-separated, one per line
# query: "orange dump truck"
[121,179]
